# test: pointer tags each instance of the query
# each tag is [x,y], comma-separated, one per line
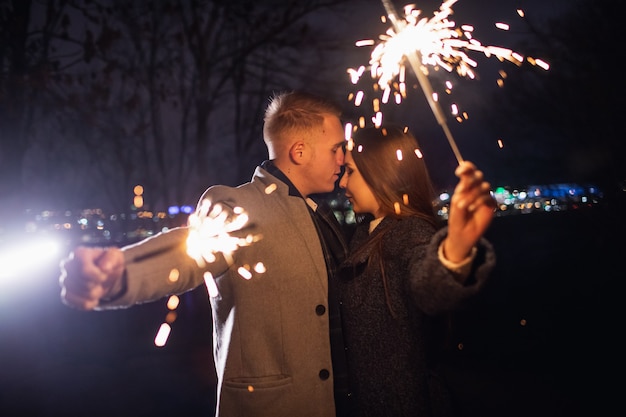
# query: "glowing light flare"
[174,275]
[162,335]
[518,56]
[378,119]
[349,144]
[438,42]
[210,284]
[244,271]
[356,74]
[386,94]
[209,232]
[358,99]
[427,42]
[172,302]
[538,62]
[347,131]
[170,317]
[270,188]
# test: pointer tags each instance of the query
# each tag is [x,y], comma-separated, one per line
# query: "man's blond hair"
[295,113]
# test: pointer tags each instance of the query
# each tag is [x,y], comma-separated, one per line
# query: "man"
[277,336]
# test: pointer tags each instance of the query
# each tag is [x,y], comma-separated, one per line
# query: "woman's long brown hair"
[391,163]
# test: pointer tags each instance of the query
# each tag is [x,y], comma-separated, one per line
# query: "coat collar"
[272,169]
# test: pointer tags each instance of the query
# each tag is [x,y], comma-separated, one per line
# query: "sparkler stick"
[415,60]
[422,42]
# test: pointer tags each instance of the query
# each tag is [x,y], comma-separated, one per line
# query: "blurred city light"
[49,235]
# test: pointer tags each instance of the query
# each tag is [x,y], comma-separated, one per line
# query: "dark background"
[99,96]
[86,116]
[542,340]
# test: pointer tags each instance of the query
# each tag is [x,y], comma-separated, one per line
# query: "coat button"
[324,374]
[320,310]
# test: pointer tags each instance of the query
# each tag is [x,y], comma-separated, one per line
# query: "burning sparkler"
[210,228]
[435,42]
[209,232]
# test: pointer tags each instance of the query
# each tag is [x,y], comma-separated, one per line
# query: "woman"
[405,269]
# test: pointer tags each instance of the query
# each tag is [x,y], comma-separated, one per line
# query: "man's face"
[324,167]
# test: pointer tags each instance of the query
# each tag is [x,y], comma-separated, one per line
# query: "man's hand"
[89,275]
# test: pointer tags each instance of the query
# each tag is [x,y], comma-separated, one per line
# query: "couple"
[330,329]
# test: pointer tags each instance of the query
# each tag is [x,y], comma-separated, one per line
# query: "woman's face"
[357,190]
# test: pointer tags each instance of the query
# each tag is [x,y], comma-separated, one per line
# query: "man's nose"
[342,182]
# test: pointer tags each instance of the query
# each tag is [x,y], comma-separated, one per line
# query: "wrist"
[118,289]
[453,252]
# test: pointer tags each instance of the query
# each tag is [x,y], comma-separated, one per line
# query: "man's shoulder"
[261,184]
[225,193]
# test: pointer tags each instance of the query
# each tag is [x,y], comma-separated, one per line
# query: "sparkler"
[423,42]
[209,232]
[415,57]
[210,228]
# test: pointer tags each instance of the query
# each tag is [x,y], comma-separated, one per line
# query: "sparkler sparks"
[210,229]
[209,232]
[422,42]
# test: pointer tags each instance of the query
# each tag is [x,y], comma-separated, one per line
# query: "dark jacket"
[389,333]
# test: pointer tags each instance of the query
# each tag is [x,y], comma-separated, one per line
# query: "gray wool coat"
[270,332]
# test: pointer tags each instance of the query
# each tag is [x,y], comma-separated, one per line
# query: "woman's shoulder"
[410,228]
[413,222]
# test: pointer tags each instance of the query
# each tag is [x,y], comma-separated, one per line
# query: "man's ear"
[297,153]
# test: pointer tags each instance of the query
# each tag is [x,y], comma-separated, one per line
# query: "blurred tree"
[29,65]
[168,94]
